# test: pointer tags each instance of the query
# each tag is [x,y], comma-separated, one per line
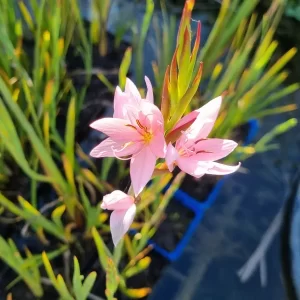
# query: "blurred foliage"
[35,86]
[293,9]
[238,63]
[79,289]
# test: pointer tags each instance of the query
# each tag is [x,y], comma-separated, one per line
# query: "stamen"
[200,140]
[129,125]
[140,125]
[203,151]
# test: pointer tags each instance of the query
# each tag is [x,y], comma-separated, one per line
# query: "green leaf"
[77,280]
[88,284]
[38,146]
[12,257]
[62,289]
[277,130]
[31,215]
[141,265]
[106,82]
[141,35]
[184,64]
[118,251]
[70,136]
[49,270]
[57,215]
[275,111]
[112,279]
[12,142]
[184,102]
[165,97]
[103,252]
[124,68]
[26,15]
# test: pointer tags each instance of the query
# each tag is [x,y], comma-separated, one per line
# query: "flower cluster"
[136,132]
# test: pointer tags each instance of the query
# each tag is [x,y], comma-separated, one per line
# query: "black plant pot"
[290,237]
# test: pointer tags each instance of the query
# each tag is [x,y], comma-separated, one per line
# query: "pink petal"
[120,99]
[206,119]
[186,119]
[141,169]
[221,169]
[128,149]
[158,144]
[117,200]
[120,221]
[132,91]
[117,129]
[152,112]
[104,149]
[192,166]
[171,157]
[131,113]
[214,149]
[149,96]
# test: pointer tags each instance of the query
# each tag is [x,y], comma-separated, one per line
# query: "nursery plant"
[153,138]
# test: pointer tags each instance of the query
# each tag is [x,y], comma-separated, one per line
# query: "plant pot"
[290,243]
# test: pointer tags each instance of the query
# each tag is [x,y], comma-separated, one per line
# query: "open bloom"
[123,213]
[196,154]
[135,132]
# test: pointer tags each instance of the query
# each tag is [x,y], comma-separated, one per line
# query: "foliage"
[238,62]
[98,26]
[80,288]
[36,87]
[26,268]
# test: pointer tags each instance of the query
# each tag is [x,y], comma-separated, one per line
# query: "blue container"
[199,208]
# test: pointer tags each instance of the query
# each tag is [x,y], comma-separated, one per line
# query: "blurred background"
[236,237]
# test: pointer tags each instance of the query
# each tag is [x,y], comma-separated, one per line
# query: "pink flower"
[123,213]
[135,132]
[196,154]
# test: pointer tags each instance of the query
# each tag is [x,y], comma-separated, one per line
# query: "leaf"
[37,145]
[141,265]
[49,270]
[118,251]
[136,293]
[173,90]
[82,290]
[106,82]
[194,54]
[277,130]
[31,215]
[70,137]
[62,289]
[165,97]
[184,64]
[183,26]
[185,101]
[77,280]
[112,279]
[34,217]
[124,67]
[141,37]
[12,257]
[88,284]
[103,252]
[69,171]
[57,214]
[26,14]
[91,177]
[9,296]
[12,142]
[275,111]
